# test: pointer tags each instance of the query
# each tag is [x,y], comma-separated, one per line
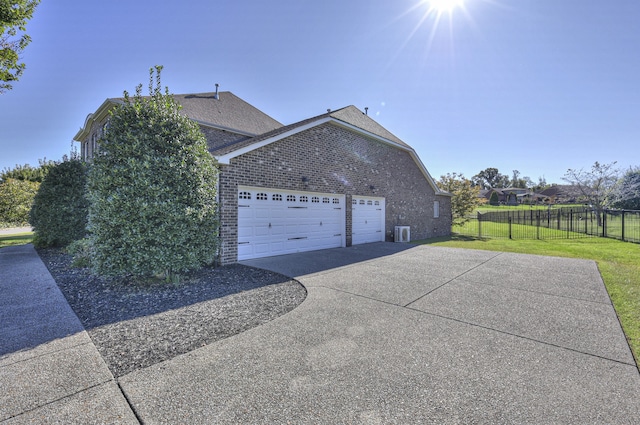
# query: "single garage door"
[367,215]
[275,222]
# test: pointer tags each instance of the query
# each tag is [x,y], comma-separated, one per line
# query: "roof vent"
[328,110]
[366,110]
[216,97]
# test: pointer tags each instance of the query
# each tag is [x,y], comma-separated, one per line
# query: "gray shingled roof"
[227,112]
[349,115]
[352,115]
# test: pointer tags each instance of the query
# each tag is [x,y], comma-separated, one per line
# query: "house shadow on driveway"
[312,262]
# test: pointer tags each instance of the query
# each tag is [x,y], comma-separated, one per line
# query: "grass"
[15,239]
[618,262]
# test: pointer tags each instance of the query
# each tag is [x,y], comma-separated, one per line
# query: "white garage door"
[367,220]
[275,222]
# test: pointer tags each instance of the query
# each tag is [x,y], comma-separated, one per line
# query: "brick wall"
[335,160]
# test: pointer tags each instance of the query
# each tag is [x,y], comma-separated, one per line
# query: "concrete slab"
[50,371]
[584,326]
[103,404]
[565,277]
[342,358]
[389,333]
[41,380]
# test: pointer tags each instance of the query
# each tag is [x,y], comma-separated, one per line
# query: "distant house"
[563,194]
[513,196]
[333,180]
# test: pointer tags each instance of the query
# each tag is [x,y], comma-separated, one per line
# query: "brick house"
[333,180]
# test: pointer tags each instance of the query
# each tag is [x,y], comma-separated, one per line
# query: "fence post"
[510,235]
[604,223]
[586,223]
[479,225]
[570,229]
[538,225]
[623,225]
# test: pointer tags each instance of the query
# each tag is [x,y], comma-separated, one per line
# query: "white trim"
[226,158]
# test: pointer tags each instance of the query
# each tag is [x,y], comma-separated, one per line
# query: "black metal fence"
[555,223]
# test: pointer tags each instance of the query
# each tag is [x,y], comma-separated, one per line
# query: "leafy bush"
[152,191]
[16,197]
[82,252]
[27,172]
[493,199]
[60,208]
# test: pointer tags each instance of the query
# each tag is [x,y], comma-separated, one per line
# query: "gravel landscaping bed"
[134,325]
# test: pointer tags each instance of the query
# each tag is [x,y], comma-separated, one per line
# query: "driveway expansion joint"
[452,279]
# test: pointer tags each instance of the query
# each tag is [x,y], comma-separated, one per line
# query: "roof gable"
[225,111]
[349,117]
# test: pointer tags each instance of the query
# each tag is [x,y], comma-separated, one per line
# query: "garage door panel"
[368,219]
[280,222]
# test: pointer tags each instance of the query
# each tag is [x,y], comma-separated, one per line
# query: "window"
[436,209]
[325,200]
[336,200]
[244,195]
[291,198]
[361,201]
[354,202]
[315,200]
[276,197]
[262,197]
[304,198]
[377,203]
[369,202]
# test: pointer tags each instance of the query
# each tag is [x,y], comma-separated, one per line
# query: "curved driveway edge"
[393,333]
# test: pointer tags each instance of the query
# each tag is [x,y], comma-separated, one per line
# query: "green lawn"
[618,262]
[15,239]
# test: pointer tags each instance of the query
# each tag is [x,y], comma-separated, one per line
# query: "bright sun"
[441,6]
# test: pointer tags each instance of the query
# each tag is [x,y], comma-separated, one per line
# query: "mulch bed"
[137,324]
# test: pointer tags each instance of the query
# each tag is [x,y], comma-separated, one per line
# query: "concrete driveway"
[393,333]
[389,333]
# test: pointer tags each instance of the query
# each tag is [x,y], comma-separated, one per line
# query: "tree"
[14,15]
[493,199]
[490,178]
[520,182]
[628,194]
[152,190]
[465,196]
[16,197]
[597,186]
[27,172]
[59,212]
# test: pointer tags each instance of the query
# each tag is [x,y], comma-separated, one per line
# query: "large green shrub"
[59,212]
[16,197]
[152,191]
[493,199]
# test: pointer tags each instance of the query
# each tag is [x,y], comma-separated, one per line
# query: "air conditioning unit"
[403,234]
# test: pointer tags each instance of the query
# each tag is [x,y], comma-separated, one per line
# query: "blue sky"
[534,85]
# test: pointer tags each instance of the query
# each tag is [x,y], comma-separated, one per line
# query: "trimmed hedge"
[60,208]
[152,191]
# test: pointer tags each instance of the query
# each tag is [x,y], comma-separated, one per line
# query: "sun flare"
[441,6]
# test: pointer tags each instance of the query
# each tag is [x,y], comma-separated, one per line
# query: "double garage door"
[276,222]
